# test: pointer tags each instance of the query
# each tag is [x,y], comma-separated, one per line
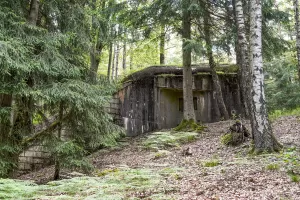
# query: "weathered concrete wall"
[136,106]
[34,158]
[37,156]
[113,108]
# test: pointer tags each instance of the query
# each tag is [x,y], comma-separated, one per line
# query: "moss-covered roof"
[152,71]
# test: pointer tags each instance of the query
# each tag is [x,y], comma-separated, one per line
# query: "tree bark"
[59,132]
[212,64]
[94,63]
[109,60]
[297,27]
[117,53]
[162,45]
[109,67]
[188,111]
[264,139]
[113,62]
[5,102]
[97,45]
[33,12]
[124,50]
[244,57]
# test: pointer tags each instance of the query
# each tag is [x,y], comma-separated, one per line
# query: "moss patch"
[163,140]
[226,139]
[117,184]
[273,167]
[189,126]
[211,163]
[228,69]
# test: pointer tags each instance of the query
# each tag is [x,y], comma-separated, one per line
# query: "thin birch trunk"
[264,139]
[244,57]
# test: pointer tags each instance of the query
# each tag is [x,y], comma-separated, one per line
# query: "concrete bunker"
[152,98]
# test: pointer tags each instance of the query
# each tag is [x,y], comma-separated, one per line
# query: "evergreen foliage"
[43,67]
[282,86]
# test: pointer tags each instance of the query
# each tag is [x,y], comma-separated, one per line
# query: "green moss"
[161,154]
[163,140]
[189,126]
[273,167]
[166,75]
[211,163]
[120,184]
[295,178]
[203,73]
[226,139]
[228,69]
[106,171]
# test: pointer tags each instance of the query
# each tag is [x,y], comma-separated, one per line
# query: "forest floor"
[155,166]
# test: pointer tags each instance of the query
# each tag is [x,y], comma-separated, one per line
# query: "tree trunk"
[25,115]
[296,7]
[117,53]
[94,64]
[130,61]
[188,111]
[124,50]
[244,57]
[113,62]
[5,137]
[34,12]
[59,131]
[109,67]
[97,45]
[109,60]
[264,139]
[212,64]
[162,45]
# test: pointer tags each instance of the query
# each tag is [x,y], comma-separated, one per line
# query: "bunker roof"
[153,71]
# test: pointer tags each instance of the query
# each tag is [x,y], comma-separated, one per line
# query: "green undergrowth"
[281,113]
[273,167]
[210,163]
[163,140]
[226,139]
[189,126]
[109,184]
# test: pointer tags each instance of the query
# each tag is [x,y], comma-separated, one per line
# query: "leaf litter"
[233,174]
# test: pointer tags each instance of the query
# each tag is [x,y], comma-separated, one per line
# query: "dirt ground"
[237,174]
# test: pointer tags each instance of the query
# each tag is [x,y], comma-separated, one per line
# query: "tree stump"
[237,134]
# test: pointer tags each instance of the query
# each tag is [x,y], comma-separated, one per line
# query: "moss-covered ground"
[211,170]
[116,184]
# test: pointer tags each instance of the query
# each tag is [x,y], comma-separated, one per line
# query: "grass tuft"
[273,167]
[211,163]
[294,178]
